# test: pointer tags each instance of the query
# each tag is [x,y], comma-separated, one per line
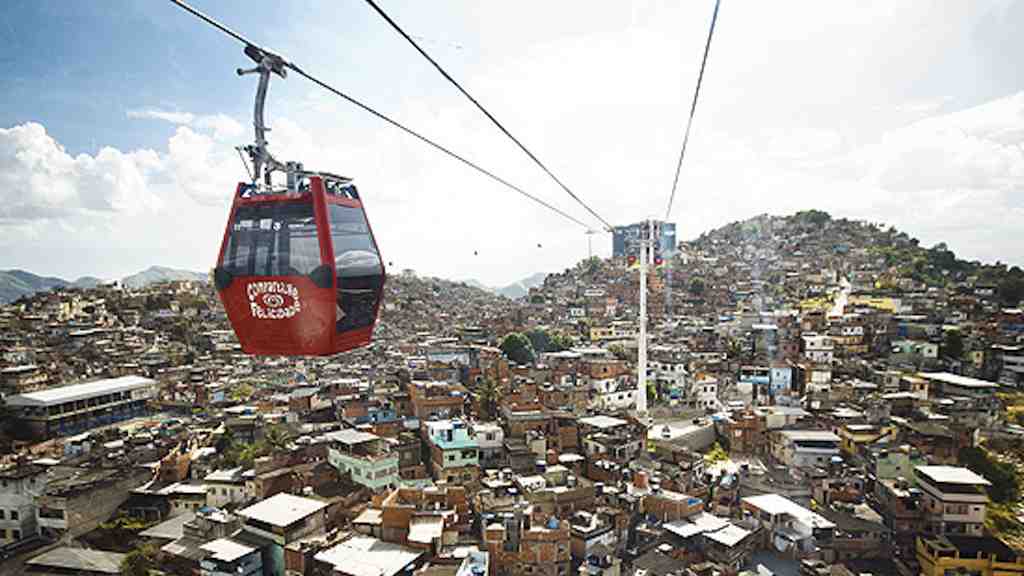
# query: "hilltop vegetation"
[901,256]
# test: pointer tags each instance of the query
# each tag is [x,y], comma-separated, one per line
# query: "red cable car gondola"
[299,271]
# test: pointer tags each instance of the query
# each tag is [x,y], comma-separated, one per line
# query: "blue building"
[625,238]
[69,410]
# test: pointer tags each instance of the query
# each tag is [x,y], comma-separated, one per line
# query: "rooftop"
[366,556]
[730,535]
[75,392]
[957,380]
[351,437]
[775,504]
[282,509]
[951,475]
[801,435]
[170,529]
[74,560]
[226,550]
[603,422]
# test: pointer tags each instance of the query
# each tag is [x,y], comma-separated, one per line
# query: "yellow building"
[977,555]
[598,333]
[853,437]
[880,303]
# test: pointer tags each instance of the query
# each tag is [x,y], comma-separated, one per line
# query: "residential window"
[14,514]
[2,515]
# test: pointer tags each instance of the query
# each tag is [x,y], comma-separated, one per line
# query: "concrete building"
[436,399]
[367,556]
[610,438]
[792,528]
[278,521]
[454,451]
[491,439]
[225,557]
[983,556]
[79,407]
[954,499]
[367,457]
[946,384]
[818,347]
[225,487]
[526,543]
[625,239]
[803,448]
[19,487]
[77,500]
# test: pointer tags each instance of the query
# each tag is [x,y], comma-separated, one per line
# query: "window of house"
[2,515]
[16,534]
[14,514]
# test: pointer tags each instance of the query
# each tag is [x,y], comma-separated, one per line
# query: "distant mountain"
[513,290]
[478,284]
[155,274]
[17,283]
[522,287]
[87,282]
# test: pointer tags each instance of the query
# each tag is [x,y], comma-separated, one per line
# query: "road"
[841,298]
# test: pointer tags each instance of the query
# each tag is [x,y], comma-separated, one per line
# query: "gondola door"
[358,269]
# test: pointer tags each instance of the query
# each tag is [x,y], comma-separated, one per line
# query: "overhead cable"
[490,116]
[693,108]
[380,115]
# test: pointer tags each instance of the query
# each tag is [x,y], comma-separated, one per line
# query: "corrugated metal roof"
[53,396]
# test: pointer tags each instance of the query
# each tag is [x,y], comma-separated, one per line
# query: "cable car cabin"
[299,273]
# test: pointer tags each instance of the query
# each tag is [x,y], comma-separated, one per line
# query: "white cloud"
[165,115]
[810,112]
[39,180]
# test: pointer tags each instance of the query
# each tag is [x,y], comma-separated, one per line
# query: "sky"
[118,122]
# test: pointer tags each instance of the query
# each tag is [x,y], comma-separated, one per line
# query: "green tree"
[540,340]
[716,453]
[517,348]
[277,437]
[953,346]
[140,561]
[561,342]
[488,393]
[1011,290]
[652,393]
[1002,475]
[619,351]
[815,217]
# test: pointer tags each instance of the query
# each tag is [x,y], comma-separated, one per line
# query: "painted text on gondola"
[273,300]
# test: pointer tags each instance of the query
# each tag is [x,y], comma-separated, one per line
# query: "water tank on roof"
[552,523]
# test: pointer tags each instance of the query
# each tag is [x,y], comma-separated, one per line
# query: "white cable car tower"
[646,244]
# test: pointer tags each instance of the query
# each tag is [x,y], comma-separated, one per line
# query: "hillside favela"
[824,396]
[574,288]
